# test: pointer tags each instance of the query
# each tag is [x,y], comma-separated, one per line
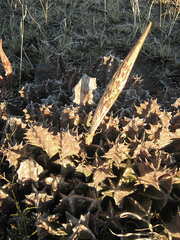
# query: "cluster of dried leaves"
[125,185]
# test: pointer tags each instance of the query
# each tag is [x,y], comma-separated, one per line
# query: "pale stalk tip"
[89,139]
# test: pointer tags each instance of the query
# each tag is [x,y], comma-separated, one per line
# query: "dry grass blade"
[115,86]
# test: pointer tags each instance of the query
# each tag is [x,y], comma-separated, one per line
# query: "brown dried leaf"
[67,165]
[70,117]
[44,138]
[79,227]
[46,224]
[143,109]
[154,131]
[165,119]
[173,146]
[165,182]
[15,154]
[82,232]
[143,149]
[76,204]
[29,170]
[176,103]
[83,91]
[120,194]
[144,167]
[104,68]
[7,66]
[38,112]
[150,111]
[3,114]
[87,170]
[152,178]
[129,176]
[140,207]
[134,128]
[175,122]
[118,153]
[56,183]
[30,92]
[101,173]
[39,200]
[165,138]
[70,144]
[110,127]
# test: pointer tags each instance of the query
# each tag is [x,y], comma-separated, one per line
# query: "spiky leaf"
[69,144]
[44,138]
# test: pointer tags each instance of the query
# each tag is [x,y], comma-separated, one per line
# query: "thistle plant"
[55,185]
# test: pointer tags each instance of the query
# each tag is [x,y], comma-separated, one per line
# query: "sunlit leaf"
[83,91]
[44,138]
[29,170]
[7,65]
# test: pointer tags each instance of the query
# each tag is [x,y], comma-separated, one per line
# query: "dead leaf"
[29,170]
[15,154]
[176,104]
[7,66]
[101,173]
[120,194]
[44,138]
[69,144]
[152,178]
[70,117]
[46,224]
[83,91]
[39,200]
[118,153]
[86,170]
[104,68]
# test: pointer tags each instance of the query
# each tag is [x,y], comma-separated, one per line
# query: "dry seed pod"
[7,66]
[115,86]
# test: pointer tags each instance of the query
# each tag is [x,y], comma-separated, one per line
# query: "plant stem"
[115,86]
[24,13]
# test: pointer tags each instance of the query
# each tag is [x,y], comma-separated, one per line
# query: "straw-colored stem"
[115,86]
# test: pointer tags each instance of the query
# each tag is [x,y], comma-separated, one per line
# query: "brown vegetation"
[126,183]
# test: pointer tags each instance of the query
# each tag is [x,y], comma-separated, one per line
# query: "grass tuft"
[36,31]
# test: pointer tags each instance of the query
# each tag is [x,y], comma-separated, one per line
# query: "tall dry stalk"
[150,9]
[45,9]
[174,19]
[115,86]
[136,11]
[24,13]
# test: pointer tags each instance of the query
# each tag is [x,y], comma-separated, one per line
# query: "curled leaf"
[83,91]
[29,170]
[7,66]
